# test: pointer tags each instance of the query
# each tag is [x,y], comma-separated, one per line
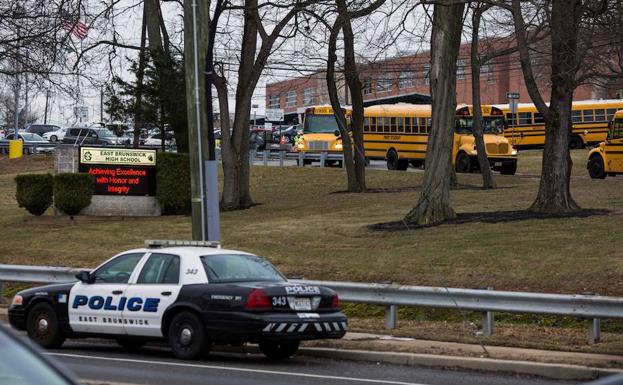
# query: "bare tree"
[353,150]
[434,203]
[569,23]
[252,61]
[483,162]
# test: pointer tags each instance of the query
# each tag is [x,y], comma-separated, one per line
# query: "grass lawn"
[308,230]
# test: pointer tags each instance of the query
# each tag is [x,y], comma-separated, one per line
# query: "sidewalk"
[412,352]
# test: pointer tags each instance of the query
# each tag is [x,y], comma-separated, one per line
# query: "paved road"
[101,361]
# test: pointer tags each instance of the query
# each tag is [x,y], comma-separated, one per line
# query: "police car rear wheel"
[279,350]
[187,336]
[43,326]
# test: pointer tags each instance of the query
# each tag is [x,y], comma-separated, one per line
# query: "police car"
[193,294]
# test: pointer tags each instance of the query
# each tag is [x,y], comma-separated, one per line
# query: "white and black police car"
[192,294]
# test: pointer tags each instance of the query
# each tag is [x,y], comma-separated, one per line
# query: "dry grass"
[308,230]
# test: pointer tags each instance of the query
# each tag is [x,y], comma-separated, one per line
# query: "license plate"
[300,303]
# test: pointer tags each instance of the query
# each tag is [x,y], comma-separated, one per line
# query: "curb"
[546,370]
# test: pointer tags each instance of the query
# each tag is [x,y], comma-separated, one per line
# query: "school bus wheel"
[575,142]
[509,167]
[463,163]
[596,167]
[394,163]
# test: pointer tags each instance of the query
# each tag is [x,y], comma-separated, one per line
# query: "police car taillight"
[335,302]
[257,300]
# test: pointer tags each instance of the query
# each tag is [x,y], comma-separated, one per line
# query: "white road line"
[233,369]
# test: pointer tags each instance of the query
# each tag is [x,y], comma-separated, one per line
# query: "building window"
[273,101]
[308,96]
[487,70]
[384,83]
[460,69]
[367,86]
[407,79]
[291,99]
[426,74]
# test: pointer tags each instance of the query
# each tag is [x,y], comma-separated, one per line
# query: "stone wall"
[67,158]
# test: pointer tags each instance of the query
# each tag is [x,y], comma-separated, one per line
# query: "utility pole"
[16,102]
[102,104]
[26,104]
[45,114]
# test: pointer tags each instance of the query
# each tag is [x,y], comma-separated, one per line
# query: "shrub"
[173,183]
[34,192]
[72,192]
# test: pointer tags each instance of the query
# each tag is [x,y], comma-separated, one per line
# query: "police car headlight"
[18,300]
[514,152]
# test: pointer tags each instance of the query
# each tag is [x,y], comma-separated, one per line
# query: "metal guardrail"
[302,158]
[29,148]
[590,306]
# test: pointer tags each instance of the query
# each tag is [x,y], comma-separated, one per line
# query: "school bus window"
[588,116]
[617,129]
[429,124]
[510,120]
[576,116]
[400,122]
[538,118]
[611,112]
[525,118]
[600,115]
[407,125]
[423,125]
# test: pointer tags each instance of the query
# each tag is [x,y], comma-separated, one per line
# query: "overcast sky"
[294,58]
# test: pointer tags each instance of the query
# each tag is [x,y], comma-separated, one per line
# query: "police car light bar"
[154,243]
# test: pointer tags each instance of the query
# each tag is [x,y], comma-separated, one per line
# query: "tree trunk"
[138,101]
[434,202]
[236,192]
[353,82]
[483,161]
[347,148]
[163,63]
[195,158]
[554,194]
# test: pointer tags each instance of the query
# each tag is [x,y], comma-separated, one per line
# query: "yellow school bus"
[398,133]
[320,131]
[589,118]
[607,158]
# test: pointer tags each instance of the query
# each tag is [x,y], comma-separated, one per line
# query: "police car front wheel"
[279,350]
[187,336]
[43,327]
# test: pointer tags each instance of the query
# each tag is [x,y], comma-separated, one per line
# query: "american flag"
[73,25]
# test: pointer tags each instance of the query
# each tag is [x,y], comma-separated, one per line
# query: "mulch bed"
[487,217]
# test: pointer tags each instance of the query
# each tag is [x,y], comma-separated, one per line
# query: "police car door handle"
[166,293]
[117,292]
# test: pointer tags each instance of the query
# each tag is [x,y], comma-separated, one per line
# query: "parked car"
[92,136]
[29,140]
[156,140]
[22,363]
[41,129]
[56,135]
[289,133]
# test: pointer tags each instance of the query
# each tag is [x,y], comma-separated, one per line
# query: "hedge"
[173,183]
[34,192]
[72,192]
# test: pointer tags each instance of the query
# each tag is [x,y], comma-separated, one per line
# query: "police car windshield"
[239,268]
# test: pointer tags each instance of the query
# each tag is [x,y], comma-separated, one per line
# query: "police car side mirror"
[85,277]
